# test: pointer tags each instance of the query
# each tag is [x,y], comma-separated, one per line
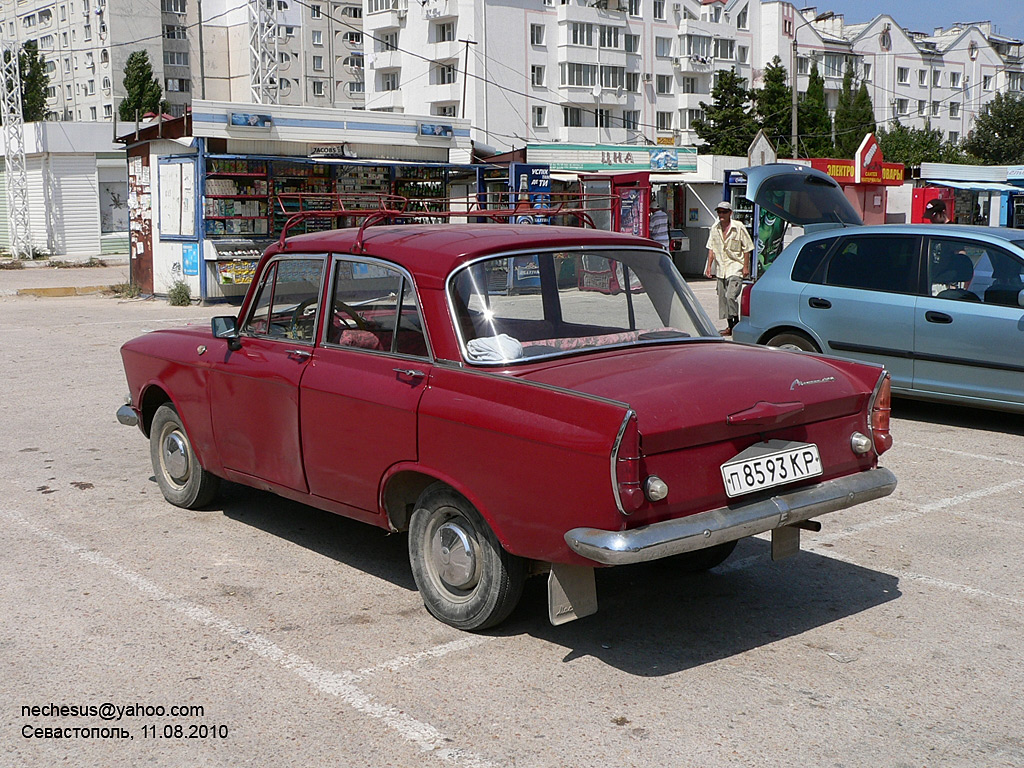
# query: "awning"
[978,186]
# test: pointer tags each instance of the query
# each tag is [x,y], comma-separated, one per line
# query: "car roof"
[437,249]
[1015,236]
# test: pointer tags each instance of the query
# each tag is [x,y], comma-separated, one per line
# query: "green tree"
[142,90]
[773,106]
[855,116]
[998,134]
[913,146]
[729,125]
[813,120]
[34,82]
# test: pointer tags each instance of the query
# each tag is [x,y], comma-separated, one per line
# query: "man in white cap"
[729,250]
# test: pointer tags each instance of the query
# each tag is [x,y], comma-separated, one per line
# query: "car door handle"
[816,303]
[303,353]
[410,372]
[937,317]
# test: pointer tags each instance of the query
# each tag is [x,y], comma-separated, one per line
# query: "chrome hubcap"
[175,457]
[453,556]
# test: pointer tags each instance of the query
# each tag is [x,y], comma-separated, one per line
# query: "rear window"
[810,258]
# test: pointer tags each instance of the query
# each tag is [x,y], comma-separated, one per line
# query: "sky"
[1007,16]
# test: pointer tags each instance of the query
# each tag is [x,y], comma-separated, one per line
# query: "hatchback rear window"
[809,260]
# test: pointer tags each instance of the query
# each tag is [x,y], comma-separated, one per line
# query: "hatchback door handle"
[937,317]
[816,303]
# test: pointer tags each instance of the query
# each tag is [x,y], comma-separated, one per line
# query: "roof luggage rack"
[504,207]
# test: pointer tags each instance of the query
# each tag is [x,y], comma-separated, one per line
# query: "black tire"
[181,478]
[792,340]
[481,585]
[703,559]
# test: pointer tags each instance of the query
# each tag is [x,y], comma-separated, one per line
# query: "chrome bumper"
[705,529]
[127,416]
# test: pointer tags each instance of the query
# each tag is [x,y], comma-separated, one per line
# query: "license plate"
[766,465]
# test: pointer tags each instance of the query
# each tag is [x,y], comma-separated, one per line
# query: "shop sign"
[611,157]
[867,162]
[250,120]
[437,130]
[843,171]
[664,159]
[1015,175]
[330,150]
[670,140]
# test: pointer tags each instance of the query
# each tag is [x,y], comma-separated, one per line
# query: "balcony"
[385,100]
[383,60]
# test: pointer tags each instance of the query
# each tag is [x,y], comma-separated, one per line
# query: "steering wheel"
[359,321]
[302,321]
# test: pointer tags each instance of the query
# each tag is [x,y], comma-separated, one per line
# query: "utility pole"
[465,72]
[202,53]
[793,133]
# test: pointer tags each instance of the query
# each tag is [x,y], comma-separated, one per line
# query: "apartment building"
[523,71]
[636,71]
[318,51]
[87,42]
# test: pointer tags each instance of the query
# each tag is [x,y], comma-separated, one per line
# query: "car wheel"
[465,577]
[703,559]
[797,341]
[182,480]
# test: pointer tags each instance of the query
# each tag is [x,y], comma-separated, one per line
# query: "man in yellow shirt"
[729,250]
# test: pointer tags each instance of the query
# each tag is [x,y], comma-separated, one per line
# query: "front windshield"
[515,308]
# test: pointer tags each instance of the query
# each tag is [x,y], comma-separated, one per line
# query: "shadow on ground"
[653,620]
[958,416]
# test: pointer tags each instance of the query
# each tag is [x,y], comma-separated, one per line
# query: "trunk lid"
[696,393]
[801,195]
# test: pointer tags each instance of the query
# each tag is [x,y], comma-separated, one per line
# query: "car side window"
[810,259]
[876,263]
[951,264]
[287,303]
[374,307]
[1007,280]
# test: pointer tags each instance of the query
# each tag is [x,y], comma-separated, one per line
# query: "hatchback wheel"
[795,341]
[465,577]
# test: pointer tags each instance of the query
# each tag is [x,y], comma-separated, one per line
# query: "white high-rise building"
[86,43]
[636,71]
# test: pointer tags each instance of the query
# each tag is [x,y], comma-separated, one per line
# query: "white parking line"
[339,684]
[965,454]
[436,652]
[920,577]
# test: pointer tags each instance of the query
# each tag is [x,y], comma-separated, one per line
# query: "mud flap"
[572,593]
[785,541]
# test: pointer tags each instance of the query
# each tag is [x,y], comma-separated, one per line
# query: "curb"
[81,290]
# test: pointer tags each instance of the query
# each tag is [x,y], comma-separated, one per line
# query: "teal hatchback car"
[940,306]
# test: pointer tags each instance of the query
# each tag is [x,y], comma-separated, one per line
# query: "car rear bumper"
[705,529]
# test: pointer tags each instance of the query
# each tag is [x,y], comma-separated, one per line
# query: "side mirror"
[226,327]
[1020,298]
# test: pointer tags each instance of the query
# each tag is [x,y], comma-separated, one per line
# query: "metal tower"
[263,54]
[14,150]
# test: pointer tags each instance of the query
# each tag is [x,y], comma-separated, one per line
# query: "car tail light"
[626,466]
[745,299]
[878,415]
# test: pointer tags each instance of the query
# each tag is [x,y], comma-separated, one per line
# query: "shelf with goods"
[236,198]
[293,177]
[426,188]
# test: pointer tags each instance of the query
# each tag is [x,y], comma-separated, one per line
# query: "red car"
[466,383]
